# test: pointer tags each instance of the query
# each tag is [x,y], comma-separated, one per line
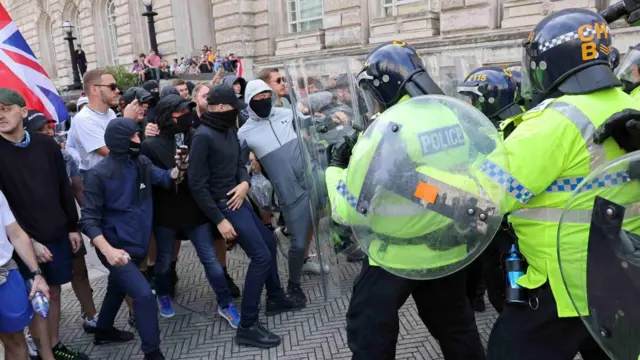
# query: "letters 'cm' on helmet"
[569,51]
[387,68]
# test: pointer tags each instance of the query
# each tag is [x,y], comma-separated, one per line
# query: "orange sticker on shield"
[426,192]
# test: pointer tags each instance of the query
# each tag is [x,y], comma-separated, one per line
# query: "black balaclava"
[117,138]
[167,90]
[166,106]
[262,108]
[150,86]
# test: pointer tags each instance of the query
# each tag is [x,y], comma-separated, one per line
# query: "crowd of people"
[152,167]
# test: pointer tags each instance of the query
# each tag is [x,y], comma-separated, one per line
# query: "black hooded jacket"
[172,208]
[117,193]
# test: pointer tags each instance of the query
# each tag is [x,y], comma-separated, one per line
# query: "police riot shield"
[599,255]
[453,72]
[327,113]
[426,183]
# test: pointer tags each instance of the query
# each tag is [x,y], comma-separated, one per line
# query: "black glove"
[339,155]
[624,127]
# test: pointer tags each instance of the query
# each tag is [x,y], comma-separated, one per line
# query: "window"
[76,22]
[390,7]
[112,30]
[305,15]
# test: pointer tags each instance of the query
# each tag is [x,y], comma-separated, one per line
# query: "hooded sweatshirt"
[117,193]
[229,80]
[174,208]
[274,142]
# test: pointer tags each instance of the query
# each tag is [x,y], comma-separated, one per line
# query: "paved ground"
[197,332]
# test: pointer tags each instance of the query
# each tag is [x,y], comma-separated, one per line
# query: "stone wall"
[444,31]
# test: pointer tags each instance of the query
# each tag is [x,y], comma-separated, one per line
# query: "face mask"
[184,122]
[134,149]
[262,108]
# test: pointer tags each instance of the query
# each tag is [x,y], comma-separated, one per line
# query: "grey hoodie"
[274,142]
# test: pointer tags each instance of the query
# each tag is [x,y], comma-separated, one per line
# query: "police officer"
[393,73]
[629,72]
[549,153]
[495,91]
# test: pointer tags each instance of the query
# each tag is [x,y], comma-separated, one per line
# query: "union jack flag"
[21,71]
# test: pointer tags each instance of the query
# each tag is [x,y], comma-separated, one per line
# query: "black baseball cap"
[173,103]
[35,120]
[11,97]
[223,94]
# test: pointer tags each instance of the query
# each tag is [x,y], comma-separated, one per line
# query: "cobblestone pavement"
[197,332]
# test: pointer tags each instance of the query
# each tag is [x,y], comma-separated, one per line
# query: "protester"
[277,83]
[117,217]
[152,87]
[219,182]
[175,210]
[16,311]
[37,189]
[182,88]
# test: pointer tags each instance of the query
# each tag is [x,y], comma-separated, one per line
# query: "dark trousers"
[201,238]
[526,334]
[373,322]
[128,280]
[259,243]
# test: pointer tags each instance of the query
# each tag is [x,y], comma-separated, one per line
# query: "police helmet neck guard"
[568,51]
[393,70]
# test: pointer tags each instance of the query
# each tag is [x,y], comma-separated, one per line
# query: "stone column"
[165,33]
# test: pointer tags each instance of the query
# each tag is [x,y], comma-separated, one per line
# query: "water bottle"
[39,302]
[515,269]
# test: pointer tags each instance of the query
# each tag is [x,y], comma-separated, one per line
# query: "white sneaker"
[311,267]
[90,326]
[31,345]
[282,241]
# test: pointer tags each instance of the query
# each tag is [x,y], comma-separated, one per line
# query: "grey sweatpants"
[298,218]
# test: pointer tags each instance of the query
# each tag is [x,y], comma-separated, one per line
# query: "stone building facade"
[270,32]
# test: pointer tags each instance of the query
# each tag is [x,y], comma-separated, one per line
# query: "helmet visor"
[371,98]
[628,70]
[525,84]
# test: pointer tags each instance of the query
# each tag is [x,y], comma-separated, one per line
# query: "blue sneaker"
[165,306]
[231,314]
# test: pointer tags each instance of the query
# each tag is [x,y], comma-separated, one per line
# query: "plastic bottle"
[39,302]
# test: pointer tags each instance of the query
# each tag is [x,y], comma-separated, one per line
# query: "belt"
[223,200]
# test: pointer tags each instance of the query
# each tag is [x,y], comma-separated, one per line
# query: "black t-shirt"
[35,182]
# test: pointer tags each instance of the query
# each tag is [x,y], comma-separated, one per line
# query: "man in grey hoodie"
[271,136]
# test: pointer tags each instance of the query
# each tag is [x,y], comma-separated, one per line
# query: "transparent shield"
[525,84]
[599,255]
[424,196]
[450,76]
[328,109]
[628,71]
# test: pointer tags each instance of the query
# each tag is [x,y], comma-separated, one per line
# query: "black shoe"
[355,256]
[284,304]
[150,275]
[154,355]
[235,290]
[257,335]
[295,293]
[62,352]
[478,304]
[132,320]
[112,335]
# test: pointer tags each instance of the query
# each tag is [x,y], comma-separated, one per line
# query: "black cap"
[223,94]
[173,103]
[143,96]
[11,97]
[35,120]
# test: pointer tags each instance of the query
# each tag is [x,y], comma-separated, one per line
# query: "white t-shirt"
[87,135]
[6,218]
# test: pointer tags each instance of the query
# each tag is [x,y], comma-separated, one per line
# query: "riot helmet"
[629,70]
[492,90]
[391,71]
[614,58]
[567,53]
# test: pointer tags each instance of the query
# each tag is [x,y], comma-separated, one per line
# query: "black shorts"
[59,270]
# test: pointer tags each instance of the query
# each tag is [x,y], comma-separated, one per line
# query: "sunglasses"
[280,80]
[113,86]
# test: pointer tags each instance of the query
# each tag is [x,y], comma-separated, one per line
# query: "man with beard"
[176,211]
[87,131]
[117,217]
[219,182]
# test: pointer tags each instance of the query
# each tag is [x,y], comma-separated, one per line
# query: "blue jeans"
[202,239]
[128,280]
[260,246]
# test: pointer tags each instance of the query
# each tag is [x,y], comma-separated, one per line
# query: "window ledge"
[301,42]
